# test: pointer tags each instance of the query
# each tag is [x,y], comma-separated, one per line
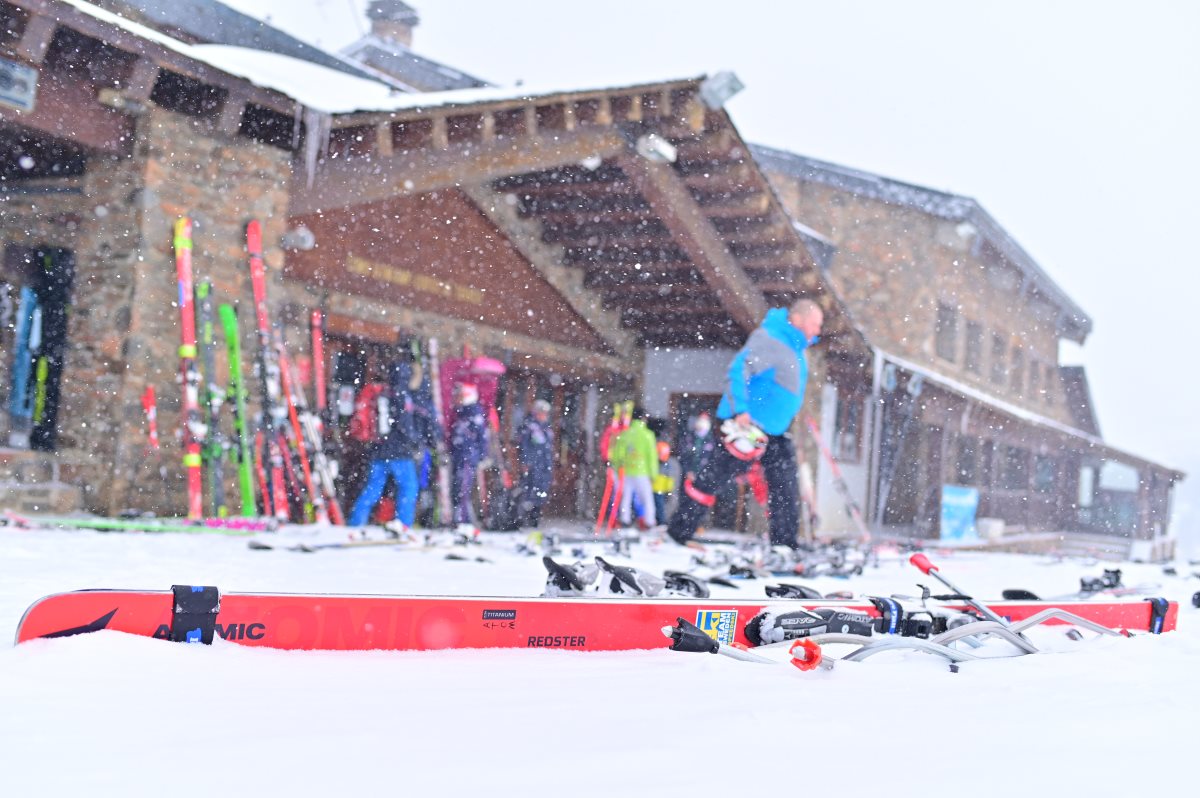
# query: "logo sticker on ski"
[499,615]
[720,625]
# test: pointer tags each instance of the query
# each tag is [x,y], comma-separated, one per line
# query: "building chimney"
[393,20]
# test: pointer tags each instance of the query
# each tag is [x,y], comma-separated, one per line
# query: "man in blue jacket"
[404,429]
[763,394]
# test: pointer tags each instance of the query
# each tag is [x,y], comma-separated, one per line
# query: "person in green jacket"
[636,451]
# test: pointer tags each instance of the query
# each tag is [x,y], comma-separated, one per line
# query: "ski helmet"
[746,442]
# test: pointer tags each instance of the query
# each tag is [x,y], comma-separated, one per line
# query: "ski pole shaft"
[929,569]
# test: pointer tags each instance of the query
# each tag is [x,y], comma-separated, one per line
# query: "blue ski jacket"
[766,378]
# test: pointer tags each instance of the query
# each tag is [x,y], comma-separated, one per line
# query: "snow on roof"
[328,90]
[400,62]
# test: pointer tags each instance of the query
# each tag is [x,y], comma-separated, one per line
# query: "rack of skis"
[286,454]
[283,470]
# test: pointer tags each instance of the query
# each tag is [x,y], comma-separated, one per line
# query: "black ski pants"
[783,498]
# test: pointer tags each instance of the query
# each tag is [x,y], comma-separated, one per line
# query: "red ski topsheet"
[342,623]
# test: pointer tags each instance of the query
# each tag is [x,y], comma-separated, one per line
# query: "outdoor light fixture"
[118,101]
[298,238]
[654,147]
[715,91]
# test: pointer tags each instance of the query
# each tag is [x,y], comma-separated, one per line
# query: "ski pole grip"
[922,562]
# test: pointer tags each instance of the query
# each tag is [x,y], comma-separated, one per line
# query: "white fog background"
[1074,124]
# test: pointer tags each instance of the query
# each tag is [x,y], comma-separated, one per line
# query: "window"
[1018,371]
[987,460]
[946,332]
[1044,468]
[1035,378]
[974,355]
[1087,486]
[998,352]
[1016,469]
[967,473]
[847,435]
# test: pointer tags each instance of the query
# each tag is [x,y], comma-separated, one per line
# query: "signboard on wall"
[18,85]
[959,505]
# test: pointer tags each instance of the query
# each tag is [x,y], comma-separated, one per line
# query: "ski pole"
[929,569]
[604,499]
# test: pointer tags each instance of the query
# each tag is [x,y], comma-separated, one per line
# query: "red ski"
[348,622]
[193,427]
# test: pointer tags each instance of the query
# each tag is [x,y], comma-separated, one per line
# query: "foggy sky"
[1074,124]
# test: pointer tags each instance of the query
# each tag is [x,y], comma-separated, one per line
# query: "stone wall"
[894,266]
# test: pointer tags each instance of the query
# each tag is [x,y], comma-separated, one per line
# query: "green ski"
[237,389]
[211,398]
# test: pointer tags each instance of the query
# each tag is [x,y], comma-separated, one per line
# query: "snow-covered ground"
[111,714]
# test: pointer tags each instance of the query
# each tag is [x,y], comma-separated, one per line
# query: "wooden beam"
[383,140]
[688,305]
[139,84]
[340,184]
[745,205]
[649,257]
[609,277]
[694,233]
[524,234]
[229,121]
[581,217]
[620,294]
[35,39]
[630,238]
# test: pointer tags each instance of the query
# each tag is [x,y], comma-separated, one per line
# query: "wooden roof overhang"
[96,71]
[689,253]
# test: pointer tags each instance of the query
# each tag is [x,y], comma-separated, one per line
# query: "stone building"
[603,243]
[567,234]
[966,387]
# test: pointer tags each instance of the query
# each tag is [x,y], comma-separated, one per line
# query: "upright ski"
[445,509]
[193,426]
[238,393]
[213,397]
[272,412]
[308,434]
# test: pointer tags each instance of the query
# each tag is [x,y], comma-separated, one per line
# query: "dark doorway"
[39,284]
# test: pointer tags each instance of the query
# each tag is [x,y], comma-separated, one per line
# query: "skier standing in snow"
[764,392]
[468,447]
[636,451]
[405,432]
[698,448]
[535,448]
